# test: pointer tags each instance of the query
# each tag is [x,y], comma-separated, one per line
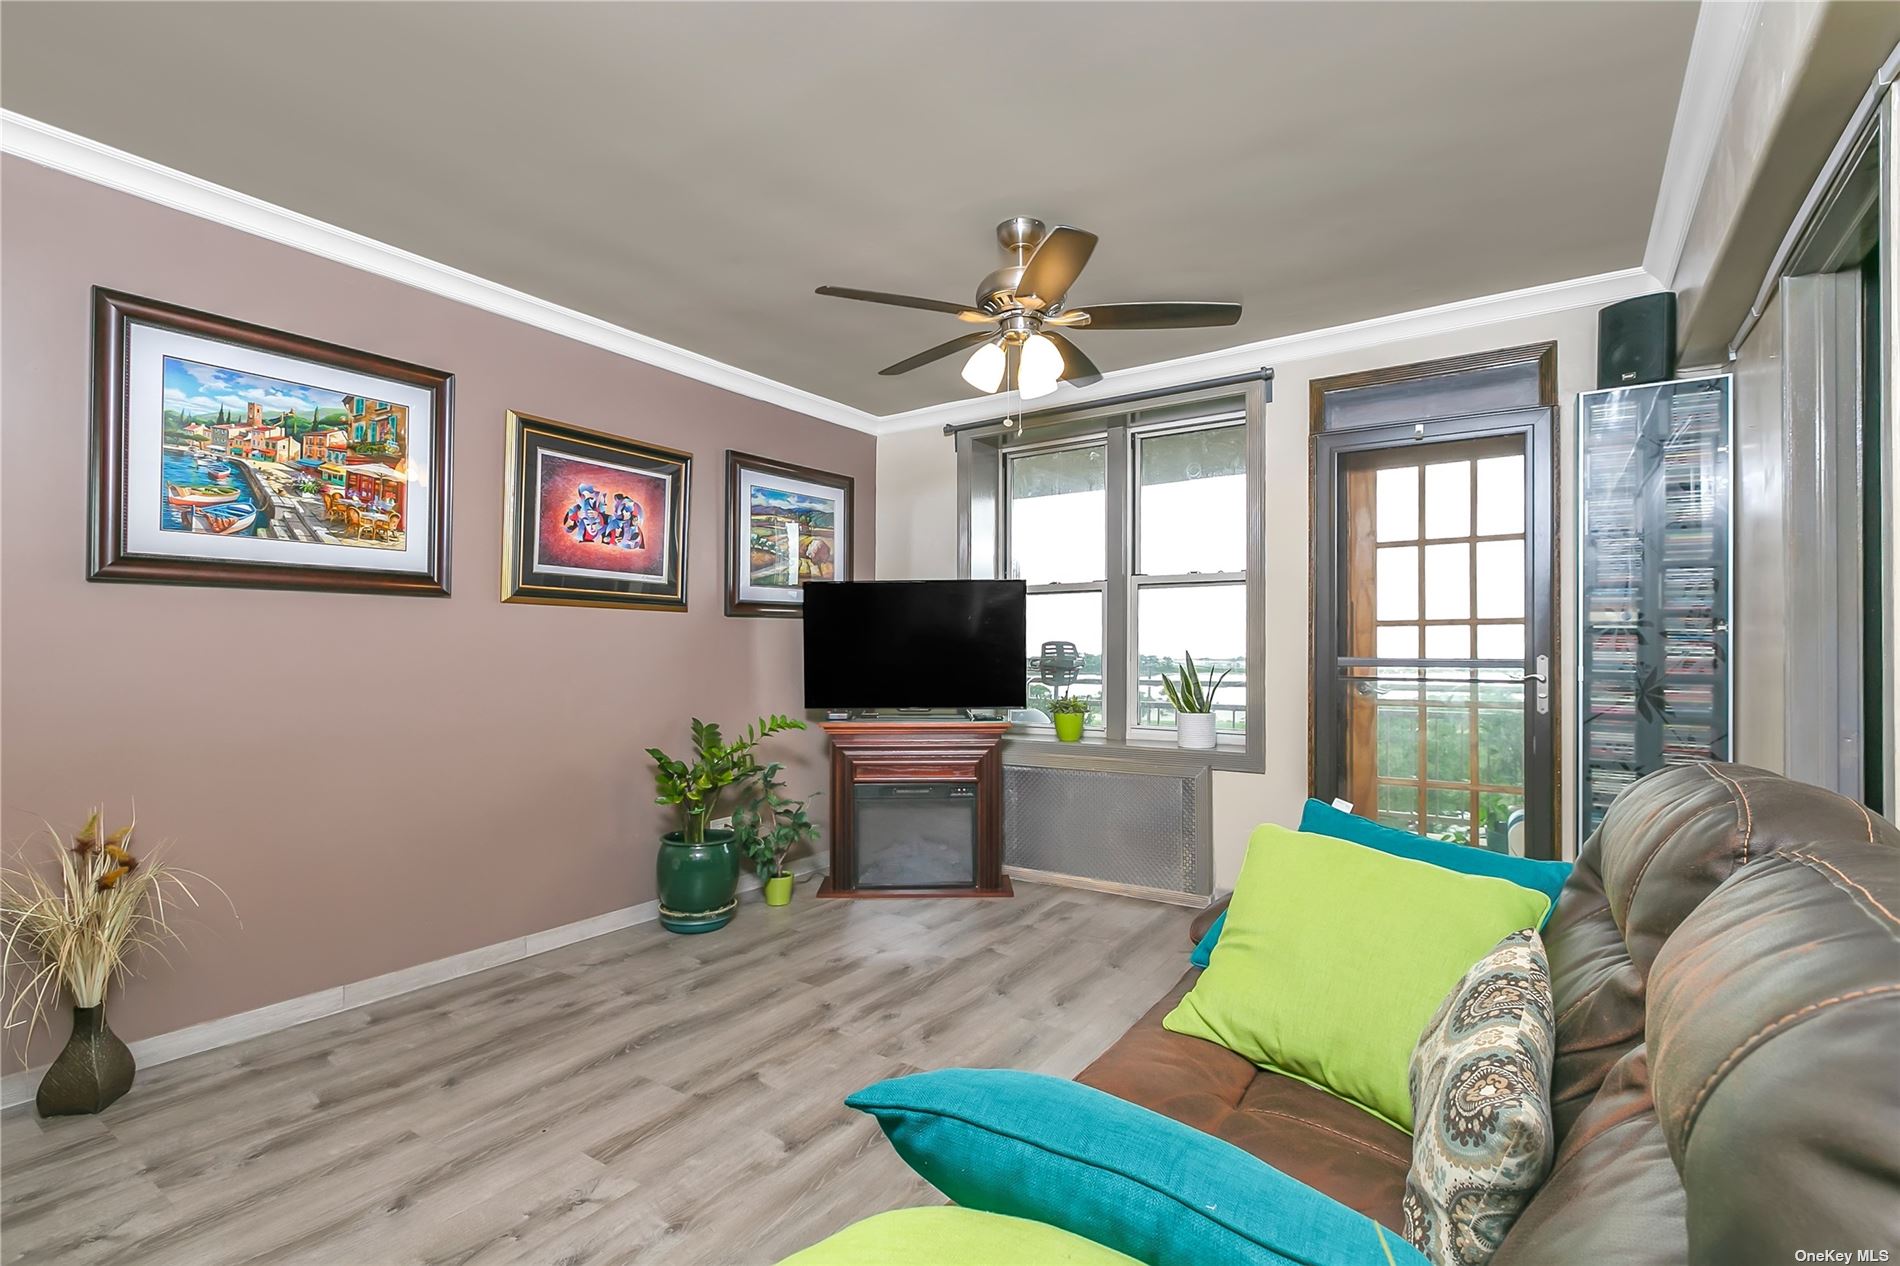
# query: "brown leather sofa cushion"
[1304,1133]
[1612,1196]
[1775,1022]
[1663,847]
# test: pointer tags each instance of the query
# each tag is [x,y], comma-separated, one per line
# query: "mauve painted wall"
[393,779]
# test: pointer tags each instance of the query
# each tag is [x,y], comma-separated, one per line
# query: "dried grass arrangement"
[82,921]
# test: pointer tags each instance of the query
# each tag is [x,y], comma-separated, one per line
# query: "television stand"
[916,808]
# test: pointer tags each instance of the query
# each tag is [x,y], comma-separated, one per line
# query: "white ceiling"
[692,171]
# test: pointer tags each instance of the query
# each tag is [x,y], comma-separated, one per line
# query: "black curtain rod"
[1264,374]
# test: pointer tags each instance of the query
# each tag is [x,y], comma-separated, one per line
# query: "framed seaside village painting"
[230,454]
[593,519]
[785,525]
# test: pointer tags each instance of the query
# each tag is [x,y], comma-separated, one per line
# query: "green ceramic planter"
[91,1073]
[1069,726]
[699,883]
[778,890]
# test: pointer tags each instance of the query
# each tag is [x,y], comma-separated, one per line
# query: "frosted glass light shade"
[1041,367]
[984,369]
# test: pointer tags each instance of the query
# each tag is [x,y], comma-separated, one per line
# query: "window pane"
[1398,641]
[1447,744]
[1398,806]
[1448,815]
[1057,507]
[1448,499]
[1396,495]
[1398,741]
[1500,495]
[1207,621]
[1397,579]
[1500,579]
[1448,641]
[1192,515]
[1067,617]
[1500,641]
[1447,582]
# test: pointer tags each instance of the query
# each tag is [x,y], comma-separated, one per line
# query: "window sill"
[1096,752]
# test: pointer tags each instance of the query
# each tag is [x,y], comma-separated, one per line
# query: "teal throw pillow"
[1054,1151]
[1320,818]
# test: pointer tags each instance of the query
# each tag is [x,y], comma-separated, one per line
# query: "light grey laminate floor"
[639,1097]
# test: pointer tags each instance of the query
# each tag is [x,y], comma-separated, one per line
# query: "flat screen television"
[916,644]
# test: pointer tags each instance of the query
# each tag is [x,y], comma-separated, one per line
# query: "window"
[1190,578]
[1056,541]
[1133,531]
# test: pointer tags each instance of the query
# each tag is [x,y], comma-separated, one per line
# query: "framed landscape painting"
[229,454]
[785,525]
[593,519]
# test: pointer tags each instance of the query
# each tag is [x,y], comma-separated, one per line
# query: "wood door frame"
[1538,428]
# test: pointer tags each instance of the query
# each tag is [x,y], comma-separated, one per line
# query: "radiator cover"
[1133,829]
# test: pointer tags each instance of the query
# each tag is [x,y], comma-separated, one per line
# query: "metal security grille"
[1133,829]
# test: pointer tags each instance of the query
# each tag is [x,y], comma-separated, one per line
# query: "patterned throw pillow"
[1480,1081]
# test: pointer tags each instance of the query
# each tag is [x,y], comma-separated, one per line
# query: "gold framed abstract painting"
[593,519]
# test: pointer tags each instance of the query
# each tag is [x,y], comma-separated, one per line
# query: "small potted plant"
[1193,706]
[77,926]
[1070,714]
[698,866]
[768,827]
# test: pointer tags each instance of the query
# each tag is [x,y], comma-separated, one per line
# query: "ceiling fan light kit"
[1025,303]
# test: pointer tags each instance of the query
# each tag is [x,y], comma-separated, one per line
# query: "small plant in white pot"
[1193,706]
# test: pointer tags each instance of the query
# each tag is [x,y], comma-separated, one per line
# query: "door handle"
[1542,678]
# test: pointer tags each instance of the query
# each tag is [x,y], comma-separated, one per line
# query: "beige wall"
[399,779]
[917,537]
[1802,72]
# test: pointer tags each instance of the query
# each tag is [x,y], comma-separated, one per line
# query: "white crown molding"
[75,155]
[64,151]
[1716,54]
[20,1087]
[1446,318]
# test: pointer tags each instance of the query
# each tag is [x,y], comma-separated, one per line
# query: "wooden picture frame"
[593,519]
[785,524]
[185,495]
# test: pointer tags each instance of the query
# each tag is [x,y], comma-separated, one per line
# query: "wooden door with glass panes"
[1439,679]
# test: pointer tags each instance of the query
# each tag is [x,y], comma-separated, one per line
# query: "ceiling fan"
[1025,302]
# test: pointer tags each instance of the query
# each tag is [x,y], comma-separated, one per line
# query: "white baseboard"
[1164,895]
[18,1088]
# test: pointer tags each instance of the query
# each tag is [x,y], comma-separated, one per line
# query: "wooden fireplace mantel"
[917,752]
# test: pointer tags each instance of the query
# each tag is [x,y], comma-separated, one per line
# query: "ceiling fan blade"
[1058,261]
[1158,316]
[938,352]
[963,310]
[1077,369]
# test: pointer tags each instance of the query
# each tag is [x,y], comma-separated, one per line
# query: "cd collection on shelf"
[1654,595]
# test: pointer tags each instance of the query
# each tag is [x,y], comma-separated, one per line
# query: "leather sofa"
[1726,966]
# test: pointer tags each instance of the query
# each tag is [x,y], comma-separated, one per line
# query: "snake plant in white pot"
[1193,706]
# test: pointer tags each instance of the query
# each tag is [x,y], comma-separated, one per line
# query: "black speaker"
[1636,341]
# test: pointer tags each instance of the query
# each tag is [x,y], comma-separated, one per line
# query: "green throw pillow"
[954,1237]
[1335,955]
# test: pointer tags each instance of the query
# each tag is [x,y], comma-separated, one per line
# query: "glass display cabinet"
[1655,590]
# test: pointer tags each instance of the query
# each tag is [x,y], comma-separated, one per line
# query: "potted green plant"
[1070,715]
[698,865]
[767,827]
[1193,706]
